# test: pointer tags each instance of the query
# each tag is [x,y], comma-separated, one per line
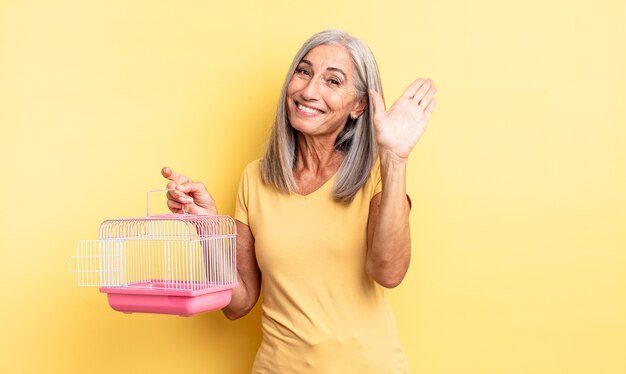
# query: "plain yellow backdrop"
[518,186]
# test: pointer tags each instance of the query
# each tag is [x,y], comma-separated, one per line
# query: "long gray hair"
[356,139]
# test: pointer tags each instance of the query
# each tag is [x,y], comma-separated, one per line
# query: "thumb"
[378,105]
[173,176]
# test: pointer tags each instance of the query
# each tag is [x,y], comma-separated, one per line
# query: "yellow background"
[518,187]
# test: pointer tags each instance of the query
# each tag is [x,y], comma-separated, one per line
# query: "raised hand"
[186,196]
[399,129]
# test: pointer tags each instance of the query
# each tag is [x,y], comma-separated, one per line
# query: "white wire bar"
[183,253]
[98,263]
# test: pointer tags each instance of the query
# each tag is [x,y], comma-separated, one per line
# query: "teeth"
[308,110]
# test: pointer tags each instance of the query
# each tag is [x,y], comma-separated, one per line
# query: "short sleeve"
[241,205]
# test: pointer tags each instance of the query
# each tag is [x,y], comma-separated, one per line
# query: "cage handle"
[157,190]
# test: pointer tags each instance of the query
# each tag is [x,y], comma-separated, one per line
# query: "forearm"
[241,301]
[246,295]
[389,251]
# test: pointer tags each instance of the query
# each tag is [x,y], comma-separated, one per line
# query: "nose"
[312,89]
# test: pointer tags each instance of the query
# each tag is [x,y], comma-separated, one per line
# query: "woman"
[323,218]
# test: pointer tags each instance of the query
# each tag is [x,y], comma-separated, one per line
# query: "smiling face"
[321,94]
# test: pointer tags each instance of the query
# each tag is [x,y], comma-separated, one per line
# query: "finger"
[192,188]
[423,89]
[171,186]
[413,88]
[429,109]
[378,105]
[175,194]
[428,97]
[173,176]
[174,207]
[179,197]
[190,191]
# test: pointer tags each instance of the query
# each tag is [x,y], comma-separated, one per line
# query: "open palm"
[400,127]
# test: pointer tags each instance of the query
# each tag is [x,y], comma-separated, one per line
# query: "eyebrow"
[329,68]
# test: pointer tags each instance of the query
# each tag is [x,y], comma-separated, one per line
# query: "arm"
[397,132]
[246,295]
[195,199]
[388,233]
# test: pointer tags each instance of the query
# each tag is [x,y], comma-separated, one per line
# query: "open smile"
[307,109]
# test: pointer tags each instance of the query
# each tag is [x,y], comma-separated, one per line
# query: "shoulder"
[251,173]
[253,169]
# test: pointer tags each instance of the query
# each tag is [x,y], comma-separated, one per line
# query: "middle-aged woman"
[323,217]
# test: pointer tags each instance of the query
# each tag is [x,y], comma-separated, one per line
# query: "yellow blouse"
[321,312]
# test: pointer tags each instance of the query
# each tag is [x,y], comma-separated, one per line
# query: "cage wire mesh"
[186,252]
[168,255]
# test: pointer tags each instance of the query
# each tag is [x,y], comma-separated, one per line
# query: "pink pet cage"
[178,264]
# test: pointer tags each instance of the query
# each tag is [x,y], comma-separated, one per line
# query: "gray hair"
[356,139]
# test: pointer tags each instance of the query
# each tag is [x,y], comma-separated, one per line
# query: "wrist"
[391,161]
[393,175]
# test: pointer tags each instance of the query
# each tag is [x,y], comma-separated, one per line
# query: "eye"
[303,71]
[334,82]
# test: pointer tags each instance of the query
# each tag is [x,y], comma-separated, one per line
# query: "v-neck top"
[328,184]
[322,313]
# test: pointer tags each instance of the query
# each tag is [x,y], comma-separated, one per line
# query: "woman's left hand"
[399,129]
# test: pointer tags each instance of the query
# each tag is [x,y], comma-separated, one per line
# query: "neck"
[317,156]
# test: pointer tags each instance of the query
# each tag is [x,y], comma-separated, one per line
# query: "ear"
[359,107]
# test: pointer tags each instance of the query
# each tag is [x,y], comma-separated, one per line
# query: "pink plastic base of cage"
[162,301]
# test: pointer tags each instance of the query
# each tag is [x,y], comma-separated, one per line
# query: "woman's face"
[321,94]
